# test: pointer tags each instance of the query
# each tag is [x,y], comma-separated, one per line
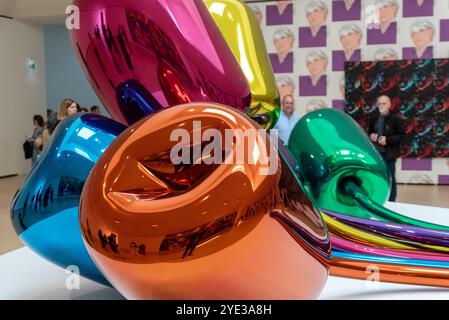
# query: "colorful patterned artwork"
[420,96]
[309,42]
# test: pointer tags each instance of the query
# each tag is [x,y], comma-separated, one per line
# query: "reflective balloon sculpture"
[45,208]
[333,170]
[201,231]
[142,56]
[332,151]
[242,33]
[345,173]
[181,231]
[162,229]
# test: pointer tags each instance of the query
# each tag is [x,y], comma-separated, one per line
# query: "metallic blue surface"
[380,259]
[58,239]
[135,101]
[44,210]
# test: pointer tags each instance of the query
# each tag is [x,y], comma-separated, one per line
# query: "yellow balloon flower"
[243,35]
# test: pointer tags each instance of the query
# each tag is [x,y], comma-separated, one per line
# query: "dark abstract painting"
[419,91]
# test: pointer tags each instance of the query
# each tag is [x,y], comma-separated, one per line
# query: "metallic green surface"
[329,147]
[382,213]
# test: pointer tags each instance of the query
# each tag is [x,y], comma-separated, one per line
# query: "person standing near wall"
[287,119]
[386,133]
[95,109]
[51,116]
[36,138]
[52,120]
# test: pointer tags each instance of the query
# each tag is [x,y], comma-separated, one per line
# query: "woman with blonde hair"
[67,108]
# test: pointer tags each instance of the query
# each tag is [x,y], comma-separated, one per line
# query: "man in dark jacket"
[386,133]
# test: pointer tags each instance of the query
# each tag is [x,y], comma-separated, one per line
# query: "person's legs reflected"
[391,167]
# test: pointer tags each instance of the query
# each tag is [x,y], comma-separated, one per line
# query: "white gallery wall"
[22,91]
